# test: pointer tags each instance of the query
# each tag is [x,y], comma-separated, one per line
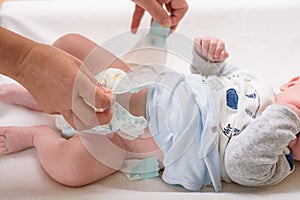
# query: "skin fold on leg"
[66,161]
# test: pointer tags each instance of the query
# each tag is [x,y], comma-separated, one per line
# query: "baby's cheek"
[285,97]
[279,98]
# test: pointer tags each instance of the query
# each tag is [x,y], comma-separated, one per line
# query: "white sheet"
[261,35]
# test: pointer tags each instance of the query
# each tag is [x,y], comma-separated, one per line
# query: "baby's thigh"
[81,165]
[142,147]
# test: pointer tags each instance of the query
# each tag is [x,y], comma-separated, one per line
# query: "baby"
[216,124]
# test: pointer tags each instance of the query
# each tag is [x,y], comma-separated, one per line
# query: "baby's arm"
[257,156]
[209,54]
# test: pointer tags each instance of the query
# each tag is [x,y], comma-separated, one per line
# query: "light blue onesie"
[219,126]
[181,119]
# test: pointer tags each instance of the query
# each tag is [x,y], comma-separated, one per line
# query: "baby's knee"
[66,41]
[79,166]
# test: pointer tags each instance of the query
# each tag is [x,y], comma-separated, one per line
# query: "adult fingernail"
[134,31]
[167,22]
[105,89]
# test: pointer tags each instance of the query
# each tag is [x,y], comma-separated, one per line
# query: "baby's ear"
[291,83]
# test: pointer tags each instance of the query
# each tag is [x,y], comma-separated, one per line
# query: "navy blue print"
[227,129]
[289,158]
[249,113]
[253,95]
[232,98]
[236,131]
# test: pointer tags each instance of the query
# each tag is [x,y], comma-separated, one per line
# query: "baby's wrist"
[200,55]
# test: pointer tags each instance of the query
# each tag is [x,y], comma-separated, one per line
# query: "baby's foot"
[14,139]
[17,94]
[8,93]
[210,48]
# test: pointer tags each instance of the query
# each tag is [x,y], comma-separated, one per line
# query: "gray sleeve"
[206,68]
[256,156]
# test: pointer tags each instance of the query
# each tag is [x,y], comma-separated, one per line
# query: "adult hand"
[176,8]
[56,80]
[60,84]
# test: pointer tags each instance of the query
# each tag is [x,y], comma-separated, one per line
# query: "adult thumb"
[157,11]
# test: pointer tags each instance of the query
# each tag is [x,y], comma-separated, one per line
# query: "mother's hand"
[60,85]
[176,8]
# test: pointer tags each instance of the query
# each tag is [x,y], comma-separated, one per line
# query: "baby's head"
[290,94]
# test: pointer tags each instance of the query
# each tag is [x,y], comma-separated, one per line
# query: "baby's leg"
[93,55]
[14,139]
[66,161]
[16,94]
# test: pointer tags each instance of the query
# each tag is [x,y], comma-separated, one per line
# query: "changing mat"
[261,35]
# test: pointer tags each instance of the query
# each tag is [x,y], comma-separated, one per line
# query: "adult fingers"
[137,17]
[105,116]
[85,113]
[177,8]
[90,91]
[157,11]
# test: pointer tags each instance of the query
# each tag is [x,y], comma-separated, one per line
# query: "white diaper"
[127,125]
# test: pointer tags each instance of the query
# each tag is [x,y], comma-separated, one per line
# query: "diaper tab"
[158,30]
[67,131]
[136,169]
[158,35]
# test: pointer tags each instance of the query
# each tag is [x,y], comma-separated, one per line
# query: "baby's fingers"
[212,48]
[220,47]
[205,45]
[198,44]
[223,55]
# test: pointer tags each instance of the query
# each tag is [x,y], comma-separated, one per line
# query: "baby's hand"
[212,49]
[294,146]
